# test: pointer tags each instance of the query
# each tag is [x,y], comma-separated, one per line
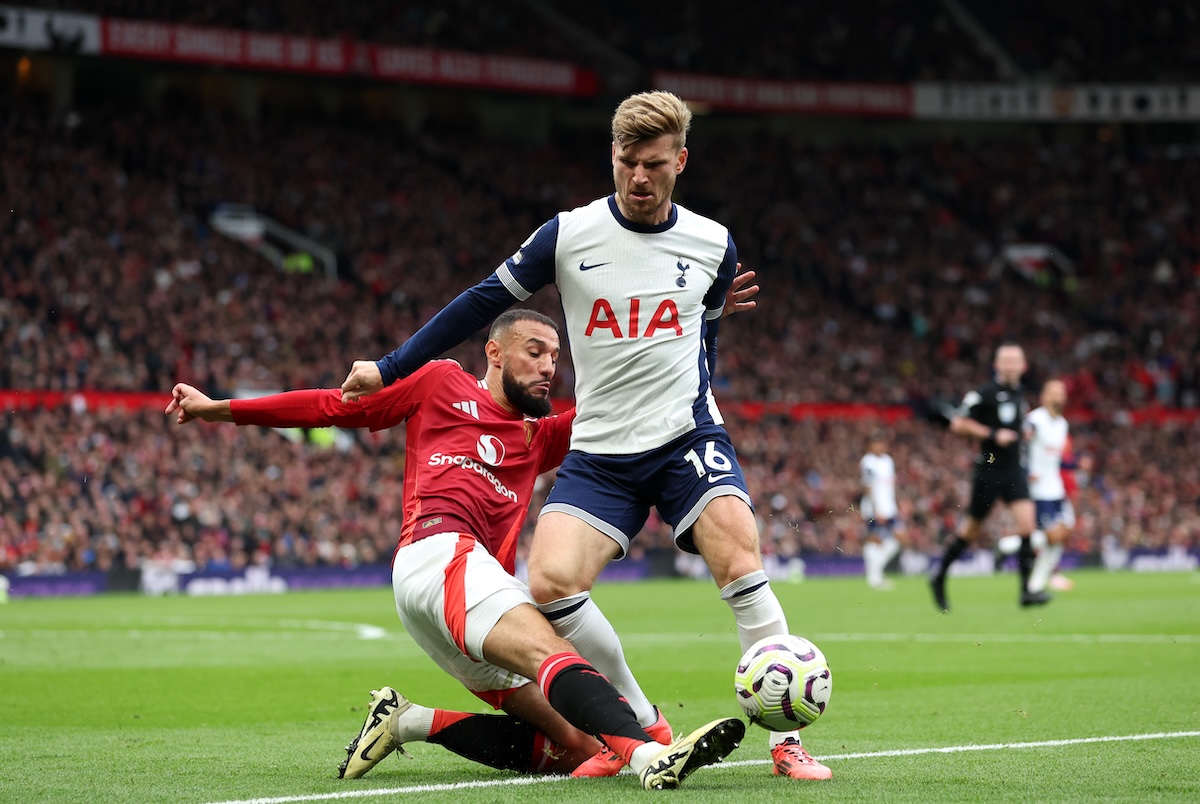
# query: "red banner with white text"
[227,47]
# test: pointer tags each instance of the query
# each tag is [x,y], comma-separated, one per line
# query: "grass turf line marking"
[527,780]
[1081,639]
[288,629]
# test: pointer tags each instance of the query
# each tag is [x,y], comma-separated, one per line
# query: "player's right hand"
[364,378]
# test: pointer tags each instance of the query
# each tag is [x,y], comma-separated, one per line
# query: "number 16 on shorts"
[715,463]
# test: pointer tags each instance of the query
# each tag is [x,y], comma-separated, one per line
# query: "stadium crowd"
[889,262]
[855,40]
[100,489]
[900,41]
[885,275]
[1110,40]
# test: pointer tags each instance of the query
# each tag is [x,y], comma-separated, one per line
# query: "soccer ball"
[783,683]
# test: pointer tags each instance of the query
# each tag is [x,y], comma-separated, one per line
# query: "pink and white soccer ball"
[783,683]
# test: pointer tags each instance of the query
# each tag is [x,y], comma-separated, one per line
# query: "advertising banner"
[1076,103]
[791,97]
[89,34]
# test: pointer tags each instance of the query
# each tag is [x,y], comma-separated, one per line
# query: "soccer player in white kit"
[643,282]
[1046,431]
[879,510]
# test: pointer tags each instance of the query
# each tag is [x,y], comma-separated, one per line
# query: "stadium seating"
[856,40]
[886,284]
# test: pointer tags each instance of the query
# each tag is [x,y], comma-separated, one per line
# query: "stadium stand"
[876,249]
[887,269]
[509,28]
[852,41]
[1105,41]
[856,40]
[897,42]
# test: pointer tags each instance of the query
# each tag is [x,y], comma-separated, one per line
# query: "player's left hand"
[189,403]
[739,298]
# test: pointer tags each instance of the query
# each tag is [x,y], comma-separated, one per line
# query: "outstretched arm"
[317,407]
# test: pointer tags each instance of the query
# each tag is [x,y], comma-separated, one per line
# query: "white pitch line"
[137,634]
[960,749]
[280,629]
[1080,639]
[528,780]
[314,630]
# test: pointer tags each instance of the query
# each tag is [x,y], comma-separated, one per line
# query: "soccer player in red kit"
[474,450]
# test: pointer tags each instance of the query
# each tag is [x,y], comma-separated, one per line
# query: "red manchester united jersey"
[470,465]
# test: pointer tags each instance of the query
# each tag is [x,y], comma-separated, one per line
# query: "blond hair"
[649,115]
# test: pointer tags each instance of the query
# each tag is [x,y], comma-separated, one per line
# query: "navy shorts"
[614,493]
[1050,513]
[884,528]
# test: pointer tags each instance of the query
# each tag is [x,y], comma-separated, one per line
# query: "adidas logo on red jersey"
[469,407]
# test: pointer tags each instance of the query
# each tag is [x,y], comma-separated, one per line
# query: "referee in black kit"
[993,416]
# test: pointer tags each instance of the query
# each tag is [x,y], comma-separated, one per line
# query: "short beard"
[521,399]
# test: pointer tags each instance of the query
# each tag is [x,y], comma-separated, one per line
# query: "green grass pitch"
[127,699]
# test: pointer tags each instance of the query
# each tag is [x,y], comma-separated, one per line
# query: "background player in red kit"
[474,450]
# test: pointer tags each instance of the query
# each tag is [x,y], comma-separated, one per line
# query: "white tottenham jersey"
[637,300]
[879,478]
[1048,439]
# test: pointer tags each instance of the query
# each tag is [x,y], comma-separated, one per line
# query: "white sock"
[1008,545]
[413,725]
[580,621]
[872,567]
[642,755]
[758,614]
[755,608]
[1043,567]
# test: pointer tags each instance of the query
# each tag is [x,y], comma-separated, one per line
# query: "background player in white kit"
[643,283]
[1046,431]
[879,510]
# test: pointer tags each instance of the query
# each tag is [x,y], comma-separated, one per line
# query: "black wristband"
[992,434]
